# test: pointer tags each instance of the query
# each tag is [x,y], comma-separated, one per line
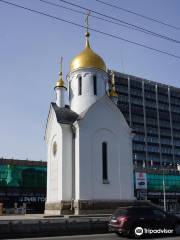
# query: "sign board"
[141,180]
[141,194]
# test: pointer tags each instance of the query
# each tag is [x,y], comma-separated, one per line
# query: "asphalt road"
[97,237]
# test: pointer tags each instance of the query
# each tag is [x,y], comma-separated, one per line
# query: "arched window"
[79,85]
[54,148]
[95,84]
[104,162]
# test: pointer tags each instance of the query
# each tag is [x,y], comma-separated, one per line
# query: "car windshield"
[140,211]
[120,212]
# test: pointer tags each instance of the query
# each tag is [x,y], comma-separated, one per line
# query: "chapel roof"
[64,115]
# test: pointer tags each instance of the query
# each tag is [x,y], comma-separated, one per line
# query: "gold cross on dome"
[87,20]
[61,61]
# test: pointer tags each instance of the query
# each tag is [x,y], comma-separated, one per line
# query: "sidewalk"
[22,217]
[42,216]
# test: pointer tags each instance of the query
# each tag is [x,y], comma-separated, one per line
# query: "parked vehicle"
[136,221]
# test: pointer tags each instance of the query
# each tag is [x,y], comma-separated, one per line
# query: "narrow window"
[95,84]
[104,161]
[80,85]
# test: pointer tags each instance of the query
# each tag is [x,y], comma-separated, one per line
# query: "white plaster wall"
[100,190]
[104,122]
[54,180]
[77,163]
[59,167]
[80,103]
[66,162]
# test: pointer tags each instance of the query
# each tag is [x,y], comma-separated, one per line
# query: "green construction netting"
[171,182]
[22,176]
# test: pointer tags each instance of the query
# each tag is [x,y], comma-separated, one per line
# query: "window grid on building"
[152,111]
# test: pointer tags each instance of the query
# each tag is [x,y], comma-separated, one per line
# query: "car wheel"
[177,229]
[119,234]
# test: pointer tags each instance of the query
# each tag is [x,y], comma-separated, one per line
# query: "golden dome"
[87,59]
[60,83]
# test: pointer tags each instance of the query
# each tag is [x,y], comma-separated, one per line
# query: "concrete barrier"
[52,227]
[55,225]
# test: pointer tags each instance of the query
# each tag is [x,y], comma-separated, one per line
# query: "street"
[96,237]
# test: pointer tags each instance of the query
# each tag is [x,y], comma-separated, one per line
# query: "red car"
[136,221]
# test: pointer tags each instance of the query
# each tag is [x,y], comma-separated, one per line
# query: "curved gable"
[102,110]
[104,123]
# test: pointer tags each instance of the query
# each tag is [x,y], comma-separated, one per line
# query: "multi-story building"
[23,182]
[153,112]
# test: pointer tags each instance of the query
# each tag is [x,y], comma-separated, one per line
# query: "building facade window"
[104,162]
[80,85]
[95,84]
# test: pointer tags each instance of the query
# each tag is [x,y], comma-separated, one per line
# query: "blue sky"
[31,46]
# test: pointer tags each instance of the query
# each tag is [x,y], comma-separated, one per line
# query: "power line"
[82,13]
[103,19]
[92,29]
[138,28]
[139,15]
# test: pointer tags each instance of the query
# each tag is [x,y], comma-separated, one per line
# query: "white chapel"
[89,143]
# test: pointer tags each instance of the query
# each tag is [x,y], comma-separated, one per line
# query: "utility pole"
[164,191]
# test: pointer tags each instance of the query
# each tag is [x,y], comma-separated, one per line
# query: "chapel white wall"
[104,123]
[59,167]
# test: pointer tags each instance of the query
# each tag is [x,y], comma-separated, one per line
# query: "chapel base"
[89,207]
